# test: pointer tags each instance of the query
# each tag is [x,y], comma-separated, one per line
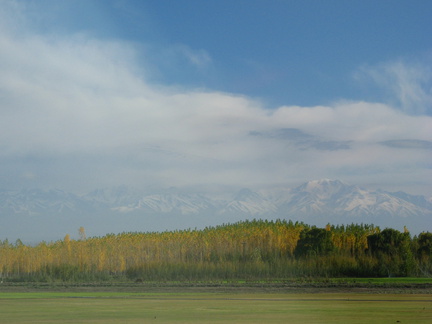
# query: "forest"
[247,250]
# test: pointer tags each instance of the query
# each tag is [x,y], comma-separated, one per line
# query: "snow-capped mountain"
[38,202]
[248,202]
[182,203]
[315,202]
[124,200]
[332,197]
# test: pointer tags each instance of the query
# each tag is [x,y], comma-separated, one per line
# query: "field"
[213,305]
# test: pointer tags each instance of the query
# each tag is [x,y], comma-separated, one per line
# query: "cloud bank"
[79,113]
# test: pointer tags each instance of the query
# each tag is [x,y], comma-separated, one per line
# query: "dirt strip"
[233,288]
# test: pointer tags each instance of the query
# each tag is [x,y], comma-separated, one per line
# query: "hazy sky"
[197,94]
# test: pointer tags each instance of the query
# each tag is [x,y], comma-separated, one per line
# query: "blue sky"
[284,52]
[227,93]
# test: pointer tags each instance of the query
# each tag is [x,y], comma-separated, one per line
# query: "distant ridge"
[116,209]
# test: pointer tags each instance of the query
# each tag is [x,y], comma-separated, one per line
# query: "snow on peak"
[324,188]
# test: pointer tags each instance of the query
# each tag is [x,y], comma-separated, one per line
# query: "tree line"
[257,249]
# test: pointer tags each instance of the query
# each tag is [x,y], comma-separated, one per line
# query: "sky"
[213,94]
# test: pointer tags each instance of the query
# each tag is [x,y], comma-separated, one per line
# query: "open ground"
[214,304]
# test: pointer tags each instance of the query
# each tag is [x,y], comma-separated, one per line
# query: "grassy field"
[220,307]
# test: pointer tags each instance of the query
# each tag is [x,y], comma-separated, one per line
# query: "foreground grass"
[124,307]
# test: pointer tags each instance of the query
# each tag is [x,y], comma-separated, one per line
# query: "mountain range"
[35,214]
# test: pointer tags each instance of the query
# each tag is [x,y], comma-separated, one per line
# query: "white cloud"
[74,113]
[409,82]
[199,58]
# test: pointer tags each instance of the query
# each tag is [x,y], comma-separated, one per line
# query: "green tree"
[424,242]
[314,242]
[393,249]
[424,253]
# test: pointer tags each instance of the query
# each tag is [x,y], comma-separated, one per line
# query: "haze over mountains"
[34,215]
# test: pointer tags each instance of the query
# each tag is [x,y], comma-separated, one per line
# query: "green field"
[220,307]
